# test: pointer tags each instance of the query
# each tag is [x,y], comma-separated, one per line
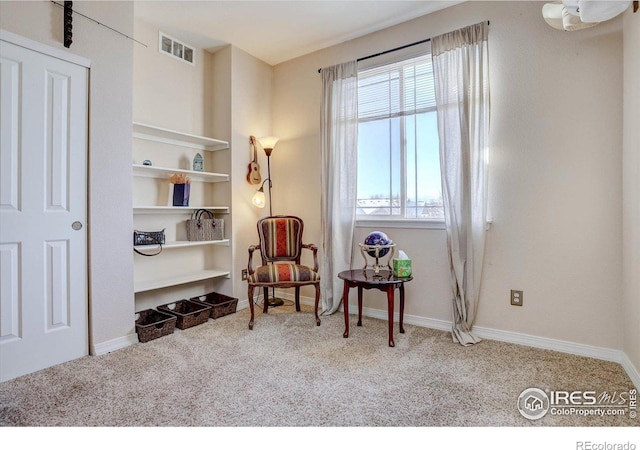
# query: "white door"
[43,209]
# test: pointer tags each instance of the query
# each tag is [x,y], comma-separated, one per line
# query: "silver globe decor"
[377,245]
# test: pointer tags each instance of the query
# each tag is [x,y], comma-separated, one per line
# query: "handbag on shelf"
[148,238]
[203,226]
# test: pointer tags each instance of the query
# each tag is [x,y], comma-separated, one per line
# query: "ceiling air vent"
[175,48]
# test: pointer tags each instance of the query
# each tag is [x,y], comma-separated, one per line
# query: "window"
[398,154]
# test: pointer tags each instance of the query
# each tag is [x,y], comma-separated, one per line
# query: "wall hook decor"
[68,23]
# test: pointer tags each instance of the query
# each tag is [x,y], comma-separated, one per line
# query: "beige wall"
[168,92]
[110,258]
[251,115]
[631,188]
[555,190]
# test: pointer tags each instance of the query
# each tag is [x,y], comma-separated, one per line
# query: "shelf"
[165,172]
[181,244]
[178,209]
[142,286]
[164,135]
[157,269]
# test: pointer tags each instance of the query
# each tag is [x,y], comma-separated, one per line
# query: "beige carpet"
[288,372]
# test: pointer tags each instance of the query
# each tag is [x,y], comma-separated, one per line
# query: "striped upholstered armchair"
[281,247]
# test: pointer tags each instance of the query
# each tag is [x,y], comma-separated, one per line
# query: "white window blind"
[380,89]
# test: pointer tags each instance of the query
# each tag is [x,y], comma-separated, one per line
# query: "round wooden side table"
[367,279]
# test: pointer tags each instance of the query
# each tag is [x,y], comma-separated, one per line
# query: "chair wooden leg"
[297,298]
[317,301]
[265,303]
[251,306]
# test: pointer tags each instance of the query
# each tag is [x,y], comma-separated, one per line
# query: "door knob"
[76,225]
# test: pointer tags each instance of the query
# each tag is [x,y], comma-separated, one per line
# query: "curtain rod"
[390,51]
[395,49]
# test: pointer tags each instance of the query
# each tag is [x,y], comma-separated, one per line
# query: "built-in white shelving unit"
[166,269]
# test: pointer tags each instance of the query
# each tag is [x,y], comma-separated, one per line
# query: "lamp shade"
[258,198]
[268,142]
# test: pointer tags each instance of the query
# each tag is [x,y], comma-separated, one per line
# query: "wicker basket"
[152,324]
[188,313]
[221,305]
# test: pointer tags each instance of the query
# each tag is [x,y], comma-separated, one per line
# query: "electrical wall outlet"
[245,274]
[516,298]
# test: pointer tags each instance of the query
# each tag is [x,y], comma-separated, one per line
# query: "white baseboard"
[605,354]
[631,370]
[242,304]
[115,344]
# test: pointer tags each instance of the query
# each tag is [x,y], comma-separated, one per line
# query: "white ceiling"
[276,31]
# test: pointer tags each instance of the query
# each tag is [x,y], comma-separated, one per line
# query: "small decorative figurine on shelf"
[377,245]
[198,163]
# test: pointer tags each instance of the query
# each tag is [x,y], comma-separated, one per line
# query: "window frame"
[400,221]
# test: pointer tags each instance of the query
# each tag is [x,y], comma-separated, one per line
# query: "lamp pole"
[274,301]
[268,143]
[268,152]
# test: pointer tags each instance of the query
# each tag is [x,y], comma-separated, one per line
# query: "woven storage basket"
[221,305]
[152,324]
[188,314]
[204,227]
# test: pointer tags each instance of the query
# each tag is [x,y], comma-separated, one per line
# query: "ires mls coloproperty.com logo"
[534,403]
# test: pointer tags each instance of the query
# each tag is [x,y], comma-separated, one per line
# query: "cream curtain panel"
[461,73]
[339,128]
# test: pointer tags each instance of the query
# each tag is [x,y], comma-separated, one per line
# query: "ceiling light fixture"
[574,15]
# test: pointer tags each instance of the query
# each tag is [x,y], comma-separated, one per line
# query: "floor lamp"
[267,143]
